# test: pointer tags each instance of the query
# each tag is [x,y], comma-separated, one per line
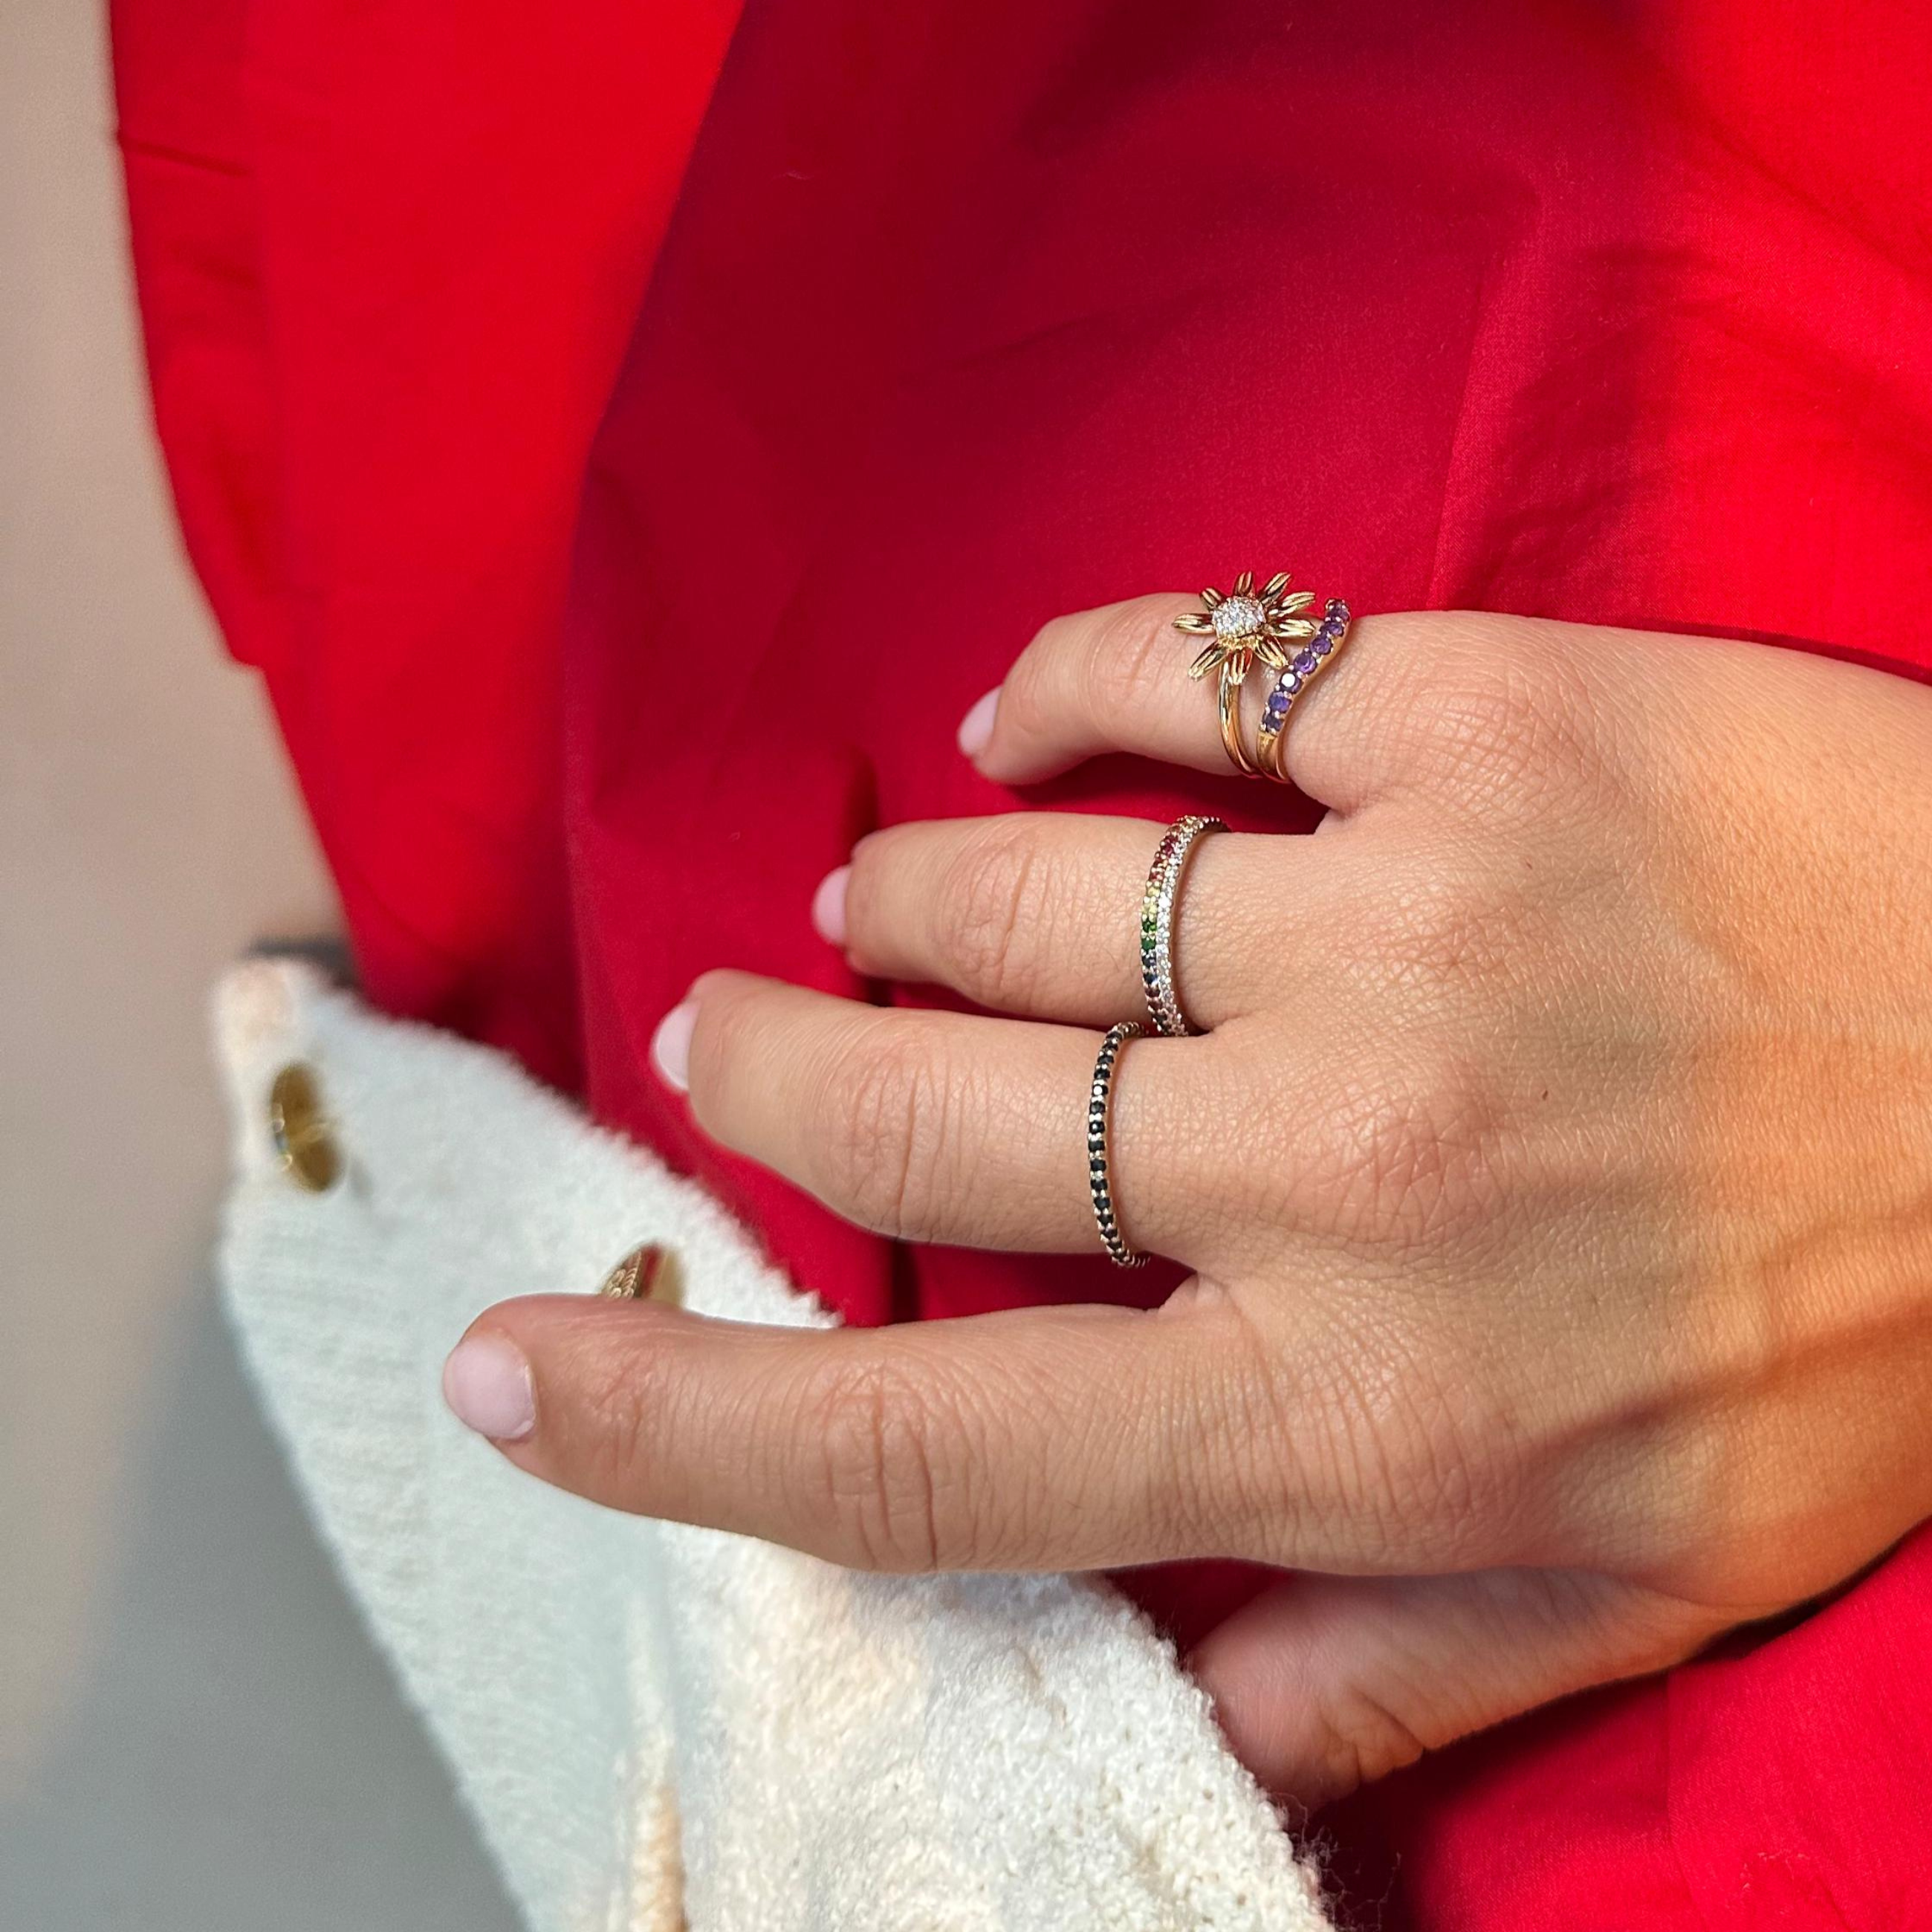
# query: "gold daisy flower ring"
[1246,626]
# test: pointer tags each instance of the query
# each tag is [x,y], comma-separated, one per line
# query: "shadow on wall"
[237,1756]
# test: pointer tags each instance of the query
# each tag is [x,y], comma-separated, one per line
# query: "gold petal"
[1294,627]
[1244,584]
[1194,624]
[1300,601]
[1211,597]
[1271,654]
[1274,587]
[1206,662]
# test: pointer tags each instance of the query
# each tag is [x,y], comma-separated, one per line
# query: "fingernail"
[670,1045]
[487,1384]
[828,906]
[976,728]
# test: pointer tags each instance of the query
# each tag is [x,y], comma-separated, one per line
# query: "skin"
[1556,1177]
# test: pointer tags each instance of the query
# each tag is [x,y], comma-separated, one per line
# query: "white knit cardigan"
[656,1726]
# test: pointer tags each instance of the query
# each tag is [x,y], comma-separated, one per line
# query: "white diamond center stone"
[1238,617]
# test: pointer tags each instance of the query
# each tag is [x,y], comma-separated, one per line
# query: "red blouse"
[971,312]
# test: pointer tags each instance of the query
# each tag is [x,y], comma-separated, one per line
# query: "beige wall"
[147,832]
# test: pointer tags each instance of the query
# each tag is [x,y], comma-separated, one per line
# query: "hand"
[1557,1178]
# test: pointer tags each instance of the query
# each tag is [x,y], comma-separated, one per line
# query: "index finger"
[1073,1438]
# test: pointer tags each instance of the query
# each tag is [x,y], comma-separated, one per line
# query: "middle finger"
[950,1127]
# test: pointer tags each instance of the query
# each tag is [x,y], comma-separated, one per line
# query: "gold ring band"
[1246,626]
[1232,739]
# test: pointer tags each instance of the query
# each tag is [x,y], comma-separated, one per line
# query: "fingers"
[1061,1438]
[1418,699]
[939,1126]
[1040,913]
[1324,1683]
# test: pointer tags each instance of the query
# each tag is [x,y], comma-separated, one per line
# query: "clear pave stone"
[1238,617]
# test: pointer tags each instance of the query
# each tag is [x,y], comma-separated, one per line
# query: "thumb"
[1324,1683]
[1072,1437]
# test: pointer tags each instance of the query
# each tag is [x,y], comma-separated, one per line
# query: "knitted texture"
[649,1720]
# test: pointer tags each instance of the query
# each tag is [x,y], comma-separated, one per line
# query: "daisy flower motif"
[1247,624]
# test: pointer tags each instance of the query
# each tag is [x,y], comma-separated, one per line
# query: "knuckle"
[995,893]
[1510,715]
[617,1401]
[1094,666]
[886,1119]
[1433,932]
[875,1424]
[1130,655]
[1410,1161]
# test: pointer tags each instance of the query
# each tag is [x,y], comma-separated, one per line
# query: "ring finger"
[1039,913]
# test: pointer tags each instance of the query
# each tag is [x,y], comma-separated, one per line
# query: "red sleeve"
[385,278]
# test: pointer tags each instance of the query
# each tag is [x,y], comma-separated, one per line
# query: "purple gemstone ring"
[1330,634]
